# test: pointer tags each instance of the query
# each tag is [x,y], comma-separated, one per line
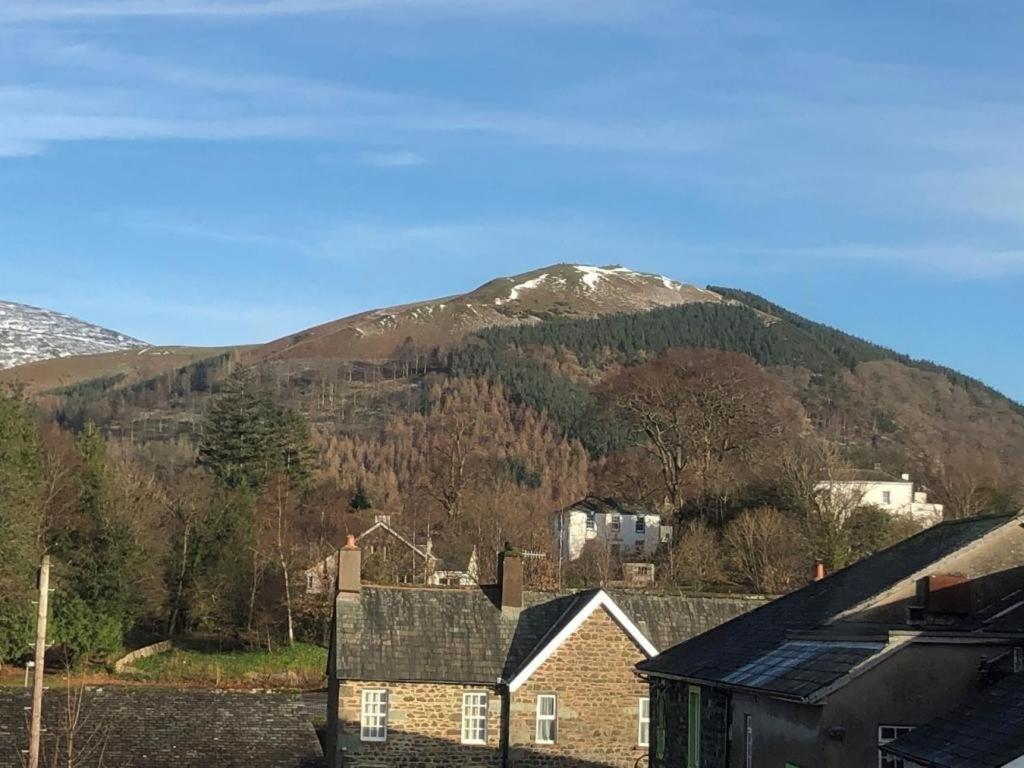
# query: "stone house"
[390,556]
[830,675]
[497,676]
[628,530]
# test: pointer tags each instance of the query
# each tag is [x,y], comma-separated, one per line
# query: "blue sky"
[222,171]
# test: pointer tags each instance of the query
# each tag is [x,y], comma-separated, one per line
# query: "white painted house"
[629,530]
[899,496]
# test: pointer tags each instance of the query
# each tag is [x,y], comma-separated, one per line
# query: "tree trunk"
[253,588]
[179,590]
[288,601]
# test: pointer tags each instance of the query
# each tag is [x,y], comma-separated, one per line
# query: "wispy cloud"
[247,235]
[58,10]
[576,238]
[966,262]
[145,99]
[395,159]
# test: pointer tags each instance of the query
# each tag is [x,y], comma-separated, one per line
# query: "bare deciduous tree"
[702,414]
[698,559]
[764,548]
[818,482]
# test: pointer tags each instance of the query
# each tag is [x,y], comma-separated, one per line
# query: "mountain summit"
[29,334]
[558,291]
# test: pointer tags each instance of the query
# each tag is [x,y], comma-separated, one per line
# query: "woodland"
[192,502]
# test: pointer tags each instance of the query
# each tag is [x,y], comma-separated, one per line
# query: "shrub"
[82,631]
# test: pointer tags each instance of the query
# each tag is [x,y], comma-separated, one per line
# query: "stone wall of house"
[670,725]
[598,699]
[424,728]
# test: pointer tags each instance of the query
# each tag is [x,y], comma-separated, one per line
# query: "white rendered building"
[873,487]
[629,530]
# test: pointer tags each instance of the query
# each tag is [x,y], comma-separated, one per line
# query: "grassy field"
[297,668]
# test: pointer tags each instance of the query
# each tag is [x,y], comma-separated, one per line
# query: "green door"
[693,722]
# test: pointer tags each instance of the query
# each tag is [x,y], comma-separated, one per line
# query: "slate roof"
[460,635]
[716,655]
[866,476]
[608,505]
[986,732]
[801,668]
[163,728]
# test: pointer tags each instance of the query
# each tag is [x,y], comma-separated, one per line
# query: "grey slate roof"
[866,476]
[460,635]
[607,506]
[714,656]
[802,667]
[986,732]
[163,728]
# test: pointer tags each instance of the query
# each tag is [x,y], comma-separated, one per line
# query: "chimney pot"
[819,570]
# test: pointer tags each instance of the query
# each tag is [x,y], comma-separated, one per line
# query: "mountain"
[29,334]
[559,291]
[550,336]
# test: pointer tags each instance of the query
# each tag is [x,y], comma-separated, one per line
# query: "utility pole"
[35,730]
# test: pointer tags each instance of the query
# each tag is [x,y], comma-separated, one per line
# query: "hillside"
[29,334]
[125,367]
[887,402]
[558,291]
[549,337]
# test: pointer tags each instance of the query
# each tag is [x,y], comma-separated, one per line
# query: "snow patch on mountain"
[526,285]
[594,275]
[29,334]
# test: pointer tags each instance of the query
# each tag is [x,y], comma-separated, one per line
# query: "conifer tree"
[20,499]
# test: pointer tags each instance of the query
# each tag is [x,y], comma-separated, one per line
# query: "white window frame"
[887,498]
[474,717]
[885,761]
[543,718]
[643,735]
[373,715]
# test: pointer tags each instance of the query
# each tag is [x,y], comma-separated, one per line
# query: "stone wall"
[670,724]
[424,728]
[598,698]
[142,653]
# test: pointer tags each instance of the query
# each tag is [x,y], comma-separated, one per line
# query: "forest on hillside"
[192,502]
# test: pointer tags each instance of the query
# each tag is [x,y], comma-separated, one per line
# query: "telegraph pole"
[35,729]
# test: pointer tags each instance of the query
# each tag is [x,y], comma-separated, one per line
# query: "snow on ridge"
[29,334]
[591,276]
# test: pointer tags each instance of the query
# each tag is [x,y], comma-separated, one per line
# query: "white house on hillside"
[628,529]
[899,496]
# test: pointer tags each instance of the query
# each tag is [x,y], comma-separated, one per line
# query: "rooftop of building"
[758,649]
[463,636]
[164,728]
[985,732]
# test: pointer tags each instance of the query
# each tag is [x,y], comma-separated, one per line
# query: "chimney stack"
[510,580]
[819,570]
[350,580]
